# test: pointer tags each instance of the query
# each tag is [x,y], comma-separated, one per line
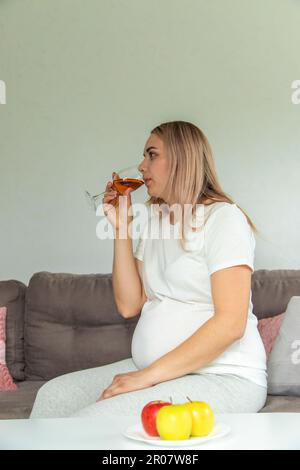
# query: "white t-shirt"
[178,289]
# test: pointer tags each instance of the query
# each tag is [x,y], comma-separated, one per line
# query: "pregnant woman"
[197,336]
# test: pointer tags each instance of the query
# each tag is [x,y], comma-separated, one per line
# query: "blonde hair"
[192,177]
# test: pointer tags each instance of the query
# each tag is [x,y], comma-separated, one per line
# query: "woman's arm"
[127,284]
[230,293]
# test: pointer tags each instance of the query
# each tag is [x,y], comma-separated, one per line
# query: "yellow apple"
[203,418]
[174,422]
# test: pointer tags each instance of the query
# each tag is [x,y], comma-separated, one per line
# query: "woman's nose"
[141,167]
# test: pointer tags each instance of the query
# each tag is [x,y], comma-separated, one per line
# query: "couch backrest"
[12,296]
[272,290]
[72,323]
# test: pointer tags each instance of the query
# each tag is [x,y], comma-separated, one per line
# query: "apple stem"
[171,400]
[189,399]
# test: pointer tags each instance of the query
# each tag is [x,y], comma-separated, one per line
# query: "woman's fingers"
[110,199]
[110,194]
[109,186]
[115,176]
[109,190]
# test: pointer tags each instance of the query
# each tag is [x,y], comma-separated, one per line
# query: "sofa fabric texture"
[12,296]
[66,322]
[72,323]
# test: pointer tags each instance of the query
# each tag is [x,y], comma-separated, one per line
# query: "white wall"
[87,81]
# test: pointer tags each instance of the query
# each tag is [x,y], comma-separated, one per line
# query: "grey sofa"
[63,322]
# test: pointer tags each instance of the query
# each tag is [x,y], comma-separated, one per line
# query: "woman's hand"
[123,383]
[110,202]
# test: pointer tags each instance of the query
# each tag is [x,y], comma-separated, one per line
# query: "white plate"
[137,433]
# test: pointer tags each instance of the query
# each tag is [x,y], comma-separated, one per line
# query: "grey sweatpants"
[75,394]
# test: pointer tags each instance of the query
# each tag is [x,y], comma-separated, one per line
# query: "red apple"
[149,413]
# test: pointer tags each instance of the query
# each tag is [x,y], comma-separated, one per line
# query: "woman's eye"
[151,154]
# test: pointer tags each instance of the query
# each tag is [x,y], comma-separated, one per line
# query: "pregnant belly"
[162,326]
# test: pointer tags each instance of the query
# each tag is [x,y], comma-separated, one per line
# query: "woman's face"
[154,167]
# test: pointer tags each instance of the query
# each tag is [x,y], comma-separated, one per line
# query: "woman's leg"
[224,393]
[68,393]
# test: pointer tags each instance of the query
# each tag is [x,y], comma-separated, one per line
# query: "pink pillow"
[6,381]
[269,329]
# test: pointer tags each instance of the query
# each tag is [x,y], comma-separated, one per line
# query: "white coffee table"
[248,431]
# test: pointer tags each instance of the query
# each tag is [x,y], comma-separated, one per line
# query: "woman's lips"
[147,181]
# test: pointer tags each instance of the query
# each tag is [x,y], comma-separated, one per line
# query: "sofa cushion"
[18,404]
[268,329]
[6,381]
[272,290]
[12,295]
[72,323]
[284,360]
[281,404]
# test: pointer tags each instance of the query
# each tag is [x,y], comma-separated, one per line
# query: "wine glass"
[129,177]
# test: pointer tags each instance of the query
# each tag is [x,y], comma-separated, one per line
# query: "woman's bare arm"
[230,293]
[127,279]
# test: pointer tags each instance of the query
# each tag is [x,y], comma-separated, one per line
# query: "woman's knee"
[43,406]
[67,393]
[48,388]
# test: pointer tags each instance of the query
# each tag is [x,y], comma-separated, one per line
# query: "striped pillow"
[6,381]
[269,329]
